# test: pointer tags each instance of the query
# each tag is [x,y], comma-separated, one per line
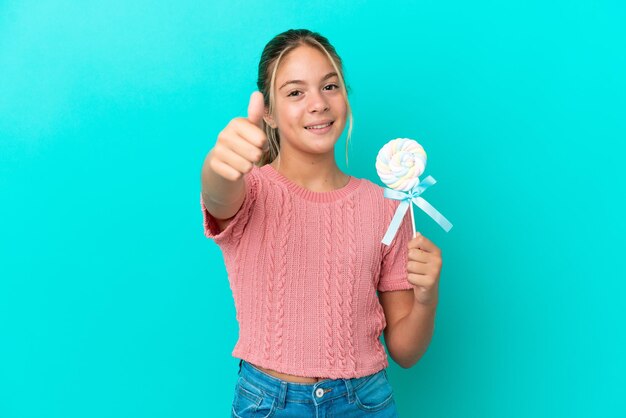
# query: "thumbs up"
[242,143]
[256,107]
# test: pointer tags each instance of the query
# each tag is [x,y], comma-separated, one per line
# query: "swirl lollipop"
[399,164]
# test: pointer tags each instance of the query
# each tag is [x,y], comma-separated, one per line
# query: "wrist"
[425,299]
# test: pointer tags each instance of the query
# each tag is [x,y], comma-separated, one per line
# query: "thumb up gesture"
[241,143]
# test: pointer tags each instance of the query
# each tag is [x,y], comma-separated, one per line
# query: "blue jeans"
[258,394]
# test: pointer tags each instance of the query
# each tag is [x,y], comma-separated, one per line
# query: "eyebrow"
[326,77]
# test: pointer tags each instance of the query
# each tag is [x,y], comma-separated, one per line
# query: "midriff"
[289,377]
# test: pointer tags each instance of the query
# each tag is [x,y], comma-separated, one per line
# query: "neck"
[316,174]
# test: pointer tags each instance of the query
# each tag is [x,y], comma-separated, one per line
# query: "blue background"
[114,304]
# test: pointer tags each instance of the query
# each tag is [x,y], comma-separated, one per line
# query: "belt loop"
[240,361]
[282,395]
[350,389]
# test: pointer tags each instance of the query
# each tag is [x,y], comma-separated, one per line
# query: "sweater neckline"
[329,196]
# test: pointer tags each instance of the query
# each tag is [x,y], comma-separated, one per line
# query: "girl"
[301,241]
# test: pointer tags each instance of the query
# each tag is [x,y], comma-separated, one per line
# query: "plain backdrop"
[114,304]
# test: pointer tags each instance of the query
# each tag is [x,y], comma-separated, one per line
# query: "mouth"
[320,126]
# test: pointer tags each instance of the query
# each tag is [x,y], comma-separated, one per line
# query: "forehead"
[303,62]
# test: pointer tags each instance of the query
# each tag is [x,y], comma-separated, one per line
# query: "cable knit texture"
[304,268]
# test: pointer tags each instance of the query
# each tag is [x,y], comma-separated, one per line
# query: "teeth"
[318,126]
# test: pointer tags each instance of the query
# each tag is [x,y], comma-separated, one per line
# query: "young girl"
[301,241]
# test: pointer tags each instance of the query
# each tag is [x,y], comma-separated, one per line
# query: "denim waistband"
[318,392]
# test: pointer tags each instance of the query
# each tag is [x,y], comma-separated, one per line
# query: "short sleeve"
[237,225]
[394,273]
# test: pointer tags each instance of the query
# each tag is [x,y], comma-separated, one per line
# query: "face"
[308,97]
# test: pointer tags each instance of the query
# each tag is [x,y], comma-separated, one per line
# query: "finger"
[415,267]
[415,254]
[266,145]
[422,280]
[226,171]
[250,132]
[244,148]
[256,107]
[235,160]
[423,243]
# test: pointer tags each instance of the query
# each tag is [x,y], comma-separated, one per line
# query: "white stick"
[412,220]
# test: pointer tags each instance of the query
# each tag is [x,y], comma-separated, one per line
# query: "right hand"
[241,143]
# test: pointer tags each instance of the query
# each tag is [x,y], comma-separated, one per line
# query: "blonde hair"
[270,59]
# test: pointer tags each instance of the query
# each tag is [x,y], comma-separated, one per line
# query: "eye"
[292,93]
[332,85]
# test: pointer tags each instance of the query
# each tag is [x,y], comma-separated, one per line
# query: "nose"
[318,103]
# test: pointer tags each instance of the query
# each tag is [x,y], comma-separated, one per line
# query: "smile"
[317,127]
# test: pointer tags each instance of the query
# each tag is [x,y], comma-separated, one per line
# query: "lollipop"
[399,164]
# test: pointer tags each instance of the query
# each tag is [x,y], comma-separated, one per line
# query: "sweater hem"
[325,373]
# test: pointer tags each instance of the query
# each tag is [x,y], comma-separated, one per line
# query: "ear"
[269,120]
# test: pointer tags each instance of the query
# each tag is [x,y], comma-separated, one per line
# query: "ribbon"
[406,198]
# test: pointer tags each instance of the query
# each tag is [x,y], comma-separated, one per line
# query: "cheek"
[342,113]
[292,117]
[340,105]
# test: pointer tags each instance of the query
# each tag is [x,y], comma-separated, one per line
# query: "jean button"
[319,392]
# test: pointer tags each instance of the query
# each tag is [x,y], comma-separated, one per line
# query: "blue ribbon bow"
[406,198]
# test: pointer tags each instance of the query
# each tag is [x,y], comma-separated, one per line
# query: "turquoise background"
[114,304]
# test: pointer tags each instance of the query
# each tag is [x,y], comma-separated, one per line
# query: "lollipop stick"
[412,220]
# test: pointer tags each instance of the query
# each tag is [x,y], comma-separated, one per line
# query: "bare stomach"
[289,377]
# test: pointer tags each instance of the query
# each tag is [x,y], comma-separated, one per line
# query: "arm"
[410,326]
[222,197]
[410,314]
[239,146]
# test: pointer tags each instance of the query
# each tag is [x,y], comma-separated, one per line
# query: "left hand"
[423,268]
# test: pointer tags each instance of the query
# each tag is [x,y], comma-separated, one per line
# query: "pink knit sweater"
[304,268]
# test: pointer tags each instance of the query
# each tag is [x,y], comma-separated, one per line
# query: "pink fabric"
[304,268]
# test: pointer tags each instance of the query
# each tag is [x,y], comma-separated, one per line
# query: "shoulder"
[369,186]
[375,192]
